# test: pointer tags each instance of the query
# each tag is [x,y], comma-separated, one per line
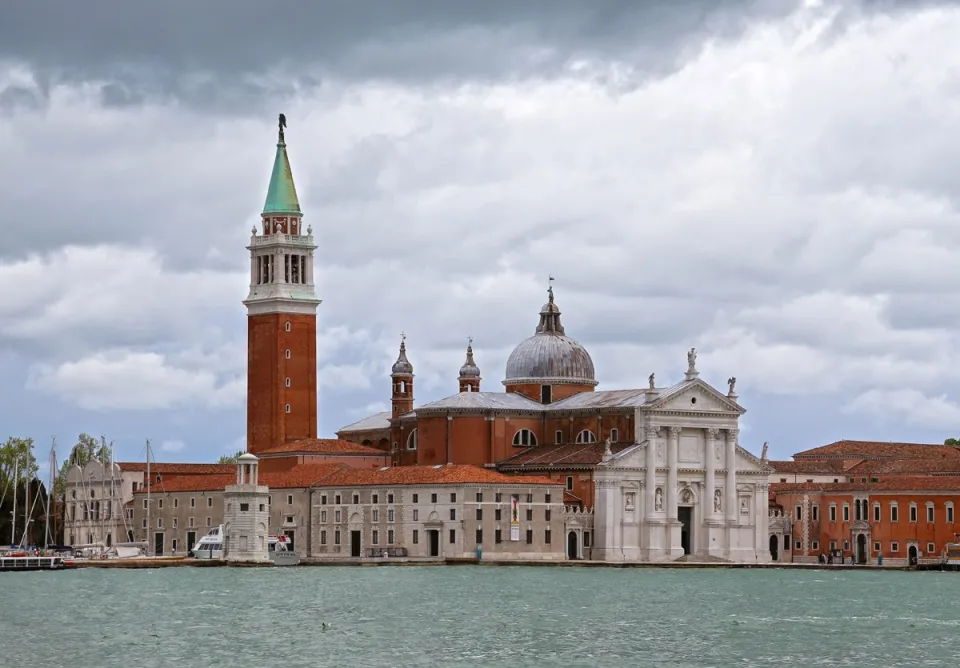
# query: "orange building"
[865,500]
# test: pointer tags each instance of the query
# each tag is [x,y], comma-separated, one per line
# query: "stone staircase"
[692,559]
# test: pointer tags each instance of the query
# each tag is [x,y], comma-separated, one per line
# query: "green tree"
[952,441]
[230,459]
[86,448]
[17,461]
[16,454]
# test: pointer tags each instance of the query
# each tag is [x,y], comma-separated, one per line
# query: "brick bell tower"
[281,318]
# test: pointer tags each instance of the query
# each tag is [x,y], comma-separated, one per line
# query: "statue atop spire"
[283,124]
[282,193]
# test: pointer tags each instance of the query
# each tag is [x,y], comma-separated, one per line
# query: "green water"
[477,616]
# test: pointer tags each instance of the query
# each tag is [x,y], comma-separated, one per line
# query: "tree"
[952,441]
[86,448]
[230,459]
[16,454]
[18,468]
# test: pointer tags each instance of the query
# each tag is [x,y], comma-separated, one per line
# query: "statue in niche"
[731,383]
[658,500]
[687,496]
[717,496]
[743,507]
[692,360]
[659,451]
[630,503]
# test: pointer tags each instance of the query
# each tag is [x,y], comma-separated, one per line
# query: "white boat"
[211,547]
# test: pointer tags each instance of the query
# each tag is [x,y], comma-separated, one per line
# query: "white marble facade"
[246,515]
[687,487]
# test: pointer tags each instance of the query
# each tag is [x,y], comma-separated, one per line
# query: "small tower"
[402,378]
[469,372]
[246,514]
[281,318]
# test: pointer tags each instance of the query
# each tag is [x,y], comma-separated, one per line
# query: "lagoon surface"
[450,616]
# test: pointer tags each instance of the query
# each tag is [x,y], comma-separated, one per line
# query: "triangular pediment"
[695,396]
[635,457]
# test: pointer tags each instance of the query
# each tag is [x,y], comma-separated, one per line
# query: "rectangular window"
[833,513]
[144,504]
[193,502]
[416,498]
[323,517]
[894,513]
[289,517]
[175,523]
[498,497]
[159,524]
[336,537]
[930,514]
[209,522]
[190,522]
[815,545]
[846,512]
[453,497]
[173,544]
[144,524]
[323,499]
[433,498]
[390,536]
[846,545]
[479,536]
[375,498]
[558,436]
[390,515]
[336,516]
[497,536]
[244,507]
[529,514]
[336,500]
[209,502]
[950,514]
[586,539]
[876,512]
[931,548]
[496,514]
[479,514]
[453,536]
[375,537]
[160,503]
[416,515]
[389,498]
[529,498]
[176,503]
[479,497]
[323,537]
[289,499]
[799,515]
[529,536]
[799,545]
[375,515]
[894,547]
[416,537]
[546,498]
[546,514]
[876,546]
[913,514]
[546,536]
[453,514]
[356,499]
[815,513]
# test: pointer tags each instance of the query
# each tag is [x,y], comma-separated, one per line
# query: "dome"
[470,368]
[402,366]
[549,356]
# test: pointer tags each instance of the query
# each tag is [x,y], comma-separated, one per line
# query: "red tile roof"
[940,465]
[814,466]
[571,499]
[892,484]
[560,456]
[326,446]
[878,450]
[302,475]
[163,468]
[448,474]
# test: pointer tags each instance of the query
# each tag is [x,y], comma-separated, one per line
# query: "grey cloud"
[156,50]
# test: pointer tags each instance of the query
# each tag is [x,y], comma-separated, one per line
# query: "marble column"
[710,466]
[731,482]
[673,464]
[651,474]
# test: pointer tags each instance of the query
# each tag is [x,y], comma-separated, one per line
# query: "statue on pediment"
[763,453]
[692,360]
[650,380]
[731,383]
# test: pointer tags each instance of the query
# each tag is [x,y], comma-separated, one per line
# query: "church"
[660,468]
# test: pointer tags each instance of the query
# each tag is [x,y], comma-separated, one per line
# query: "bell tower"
[401,376]
[281,317]
[469,378]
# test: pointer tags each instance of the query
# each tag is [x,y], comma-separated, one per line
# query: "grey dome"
[549,356]
[402,366]
[470,368]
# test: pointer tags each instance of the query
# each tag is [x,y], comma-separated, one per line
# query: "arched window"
[524,437]
[412,440]
[586,436]
[614,435]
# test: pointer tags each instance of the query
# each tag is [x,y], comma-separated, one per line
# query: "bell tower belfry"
[281,317]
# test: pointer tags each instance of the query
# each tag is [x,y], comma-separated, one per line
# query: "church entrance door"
[862,549]
[355,543]
[572,545]
[774,548]
[685,515]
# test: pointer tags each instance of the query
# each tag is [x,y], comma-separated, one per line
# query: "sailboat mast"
[13,515]
[147,536]
[53,481]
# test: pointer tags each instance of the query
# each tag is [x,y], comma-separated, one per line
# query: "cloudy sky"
[773,183]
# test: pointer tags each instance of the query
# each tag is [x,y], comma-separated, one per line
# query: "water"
[477,616]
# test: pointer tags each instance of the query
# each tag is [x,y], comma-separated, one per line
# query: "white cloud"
[172,446]
[913,406]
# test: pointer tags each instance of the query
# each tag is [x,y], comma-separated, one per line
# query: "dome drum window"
[586,436]
[524,438]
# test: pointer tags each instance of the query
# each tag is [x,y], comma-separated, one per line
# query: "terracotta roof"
[897,484]
[163,468]
[878,450]
[571,499]
[561,455]
[326,446]
[302,475]
[447,474]
[822,466]
[907,466]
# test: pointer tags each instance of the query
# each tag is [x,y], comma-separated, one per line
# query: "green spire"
[282,194]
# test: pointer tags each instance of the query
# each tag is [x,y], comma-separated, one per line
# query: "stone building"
[246,516]
[863,499]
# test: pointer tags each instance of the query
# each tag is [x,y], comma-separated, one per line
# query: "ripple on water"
[477,616]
